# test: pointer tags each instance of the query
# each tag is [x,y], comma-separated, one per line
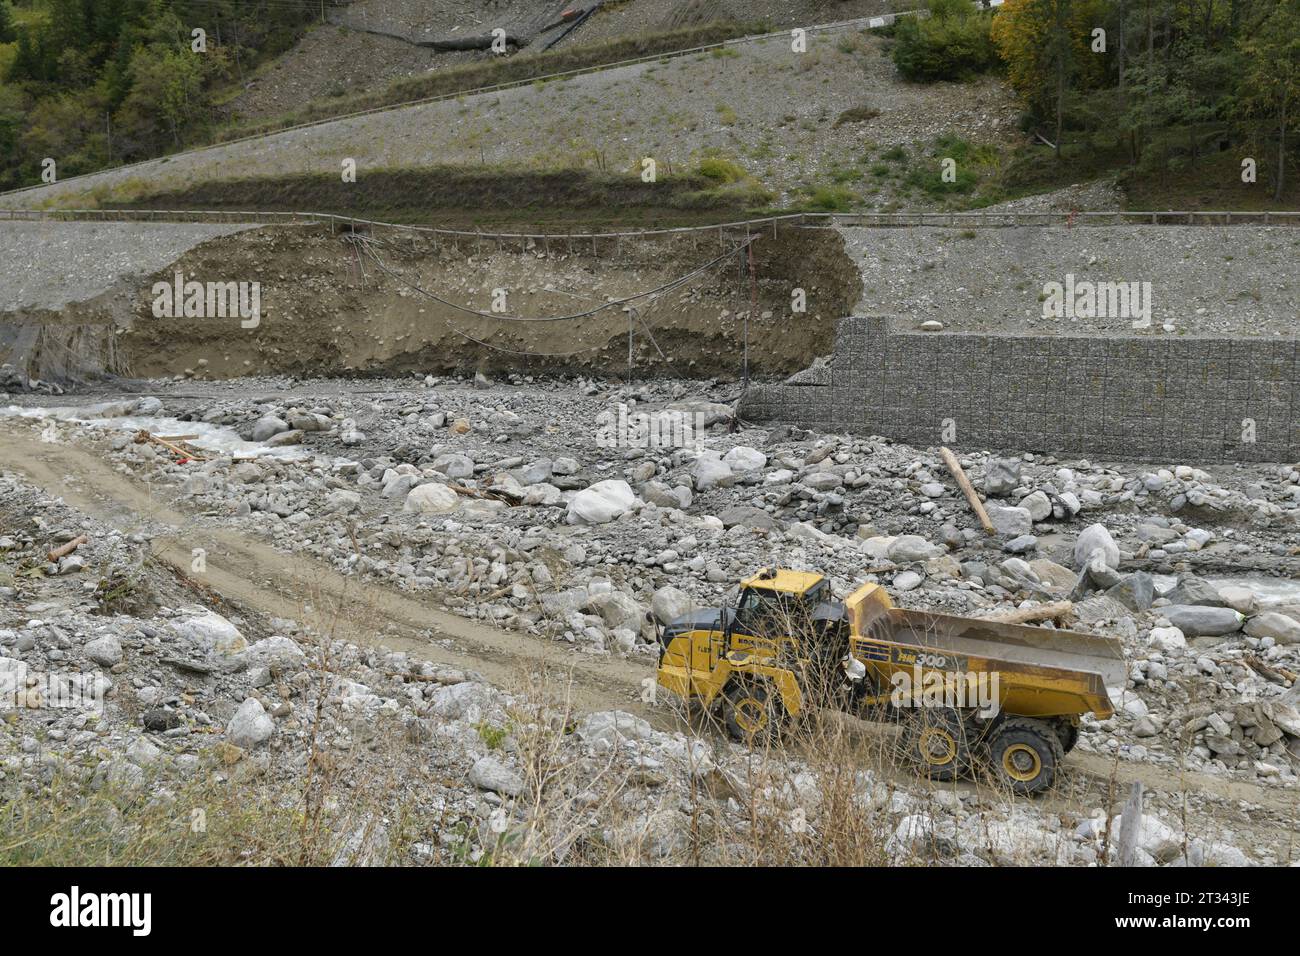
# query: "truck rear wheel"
[1024,754]
[936,741]
[753,712]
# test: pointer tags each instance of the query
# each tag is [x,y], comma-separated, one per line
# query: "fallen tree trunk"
[64,550]
[1054,611]
[471,43]
[967,489]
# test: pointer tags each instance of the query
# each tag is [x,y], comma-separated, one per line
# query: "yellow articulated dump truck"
[967,692]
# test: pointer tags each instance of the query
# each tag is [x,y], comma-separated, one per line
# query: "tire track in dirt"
[288,585]
[283,584]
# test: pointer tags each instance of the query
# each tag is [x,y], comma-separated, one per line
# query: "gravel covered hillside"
[1221,280]
[79,261]
[775,113]
[359,48]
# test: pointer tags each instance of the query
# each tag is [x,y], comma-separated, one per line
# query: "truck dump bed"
[1042,672]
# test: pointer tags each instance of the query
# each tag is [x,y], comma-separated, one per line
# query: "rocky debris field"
[515,504]
[1204,280]
[1102,195]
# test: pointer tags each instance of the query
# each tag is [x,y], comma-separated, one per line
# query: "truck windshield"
[765,612]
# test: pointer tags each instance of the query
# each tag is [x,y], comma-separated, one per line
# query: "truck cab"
[775,603]
[780,620]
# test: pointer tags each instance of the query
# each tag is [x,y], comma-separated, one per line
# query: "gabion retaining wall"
[1149,397]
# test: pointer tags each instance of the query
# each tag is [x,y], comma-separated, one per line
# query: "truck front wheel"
[753,712]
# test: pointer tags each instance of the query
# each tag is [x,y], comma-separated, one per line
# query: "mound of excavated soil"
[331,305]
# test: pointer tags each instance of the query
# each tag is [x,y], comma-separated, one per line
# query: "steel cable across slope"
[658,290]
[367,245]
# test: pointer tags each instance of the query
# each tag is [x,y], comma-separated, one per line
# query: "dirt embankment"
[477,198]
[333,304]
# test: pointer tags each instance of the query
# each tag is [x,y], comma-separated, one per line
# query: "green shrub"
[831,199]
[972,160]
[720,170]
[856,114]
[945,46]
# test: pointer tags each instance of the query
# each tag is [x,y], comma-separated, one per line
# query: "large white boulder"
[1283,629]
[601,503]
[607,728]
[1095,538]
[1167,639]
[454,465]
[489,773]
[712,471]
[670,603]
[105,651]
[432,498]
[743,458]
[278,653]
[251,725]
[267,426]
[908,548]
[210,633]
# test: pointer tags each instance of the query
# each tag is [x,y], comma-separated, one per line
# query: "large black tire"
[1024,755]
[1068,731]
[753,712]
[938,743]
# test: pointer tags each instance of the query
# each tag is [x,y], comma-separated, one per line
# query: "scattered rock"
[250,726]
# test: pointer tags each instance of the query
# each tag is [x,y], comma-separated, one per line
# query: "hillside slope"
[784,117]
[331,307]
[351,53]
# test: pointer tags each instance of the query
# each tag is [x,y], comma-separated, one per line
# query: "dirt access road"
[243,571]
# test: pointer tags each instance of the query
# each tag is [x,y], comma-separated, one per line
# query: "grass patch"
[69,824]
[719,170]
[831,199]
[856,114]
[974,164]
[476,195]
